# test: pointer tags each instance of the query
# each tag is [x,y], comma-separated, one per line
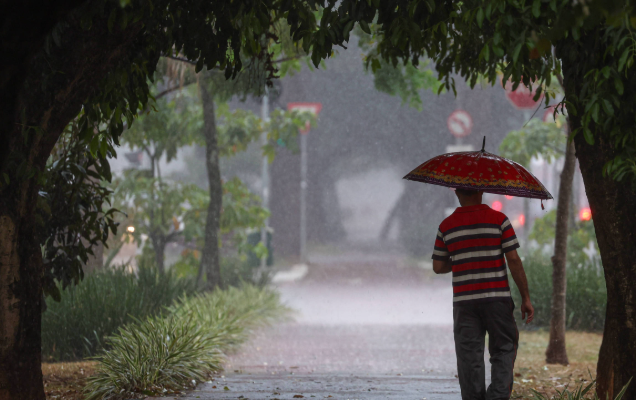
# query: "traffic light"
[496,205]
[522,220]
[585,214]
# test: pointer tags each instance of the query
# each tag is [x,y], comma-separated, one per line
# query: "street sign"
[522,98]
[313,108]
[459,123]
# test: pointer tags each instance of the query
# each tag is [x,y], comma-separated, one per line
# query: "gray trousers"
[471,322]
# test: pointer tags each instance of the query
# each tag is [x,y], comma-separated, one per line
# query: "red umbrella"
[480,170]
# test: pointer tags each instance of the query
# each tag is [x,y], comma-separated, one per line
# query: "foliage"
[536,139]
[173,122]
[483,40]
[405,80]
[155,206]
[235,270]
[167,354]
[76,327]
[579,393]
[586,295]
[72,213]
[580,237]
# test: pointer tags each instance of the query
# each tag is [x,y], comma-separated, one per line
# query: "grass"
[171,353]
[531,372]
[77,327]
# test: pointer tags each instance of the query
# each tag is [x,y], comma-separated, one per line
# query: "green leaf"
[607,107]
[595,109]
[365,27]
[536,8]
[375,65]
[618,84]
[480,17]
[516,52]
[621,61]
[587,134]
[606,71]
[485,53]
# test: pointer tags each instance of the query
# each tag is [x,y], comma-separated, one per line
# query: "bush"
[235,271]
[585,298]
[162,355]
[76,327]
[579,393]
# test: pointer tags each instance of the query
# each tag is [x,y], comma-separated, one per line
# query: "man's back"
[476,238]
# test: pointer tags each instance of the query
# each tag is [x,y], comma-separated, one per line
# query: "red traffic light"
[496,205]
[509,197]
[585,214]
[522,220]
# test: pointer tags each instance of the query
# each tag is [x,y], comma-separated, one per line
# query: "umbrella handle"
[483,145]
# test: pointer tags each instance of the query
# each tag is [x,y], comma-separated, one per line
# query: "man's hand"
[527,309]
[519,275]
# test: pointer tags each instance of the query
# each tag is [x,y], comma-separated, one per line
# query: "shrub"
[167,354]
[76,327]
[579,393]
[235,270]
[585,298]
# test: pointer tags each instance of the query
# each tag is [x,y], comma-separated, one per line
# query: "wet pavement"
[367,326]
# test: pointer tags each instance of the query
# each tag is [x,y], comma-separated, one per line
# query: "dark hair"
[467,192]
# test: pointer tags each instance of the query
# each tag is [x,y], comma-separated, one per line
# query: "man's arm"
[519,275]
[442,267]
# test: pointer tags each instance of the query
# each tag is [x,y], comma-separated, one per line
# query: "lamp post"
[265,172]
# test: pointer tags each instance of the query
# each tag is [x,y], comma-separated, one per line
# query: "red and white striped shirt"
[476,239]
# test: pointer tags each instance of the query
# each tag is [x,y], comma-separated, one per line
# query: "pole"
[525,230]
[303,198]
[265,172]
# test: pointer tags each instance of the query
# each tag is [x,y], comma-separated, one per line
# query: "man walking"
[471,243]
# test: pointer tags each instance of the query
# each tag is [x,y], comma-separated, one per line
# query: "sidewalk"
[367,327]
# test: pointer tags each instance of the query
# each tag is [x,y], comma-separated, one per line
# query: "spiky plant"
[578,394]
[170,353]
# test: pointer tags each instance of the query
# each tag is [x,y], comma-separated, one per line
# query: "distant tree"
[548,140]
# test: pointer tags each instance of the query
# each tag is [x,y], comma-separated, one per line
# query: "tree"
[548,140]
[98,57]
[71,212]
[157,204]
[594,53]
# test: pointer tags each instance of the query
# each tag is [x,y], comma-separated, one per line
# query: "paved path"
[367,327]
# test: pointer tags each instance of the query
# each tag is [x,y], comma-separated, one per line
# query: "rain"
[271,207]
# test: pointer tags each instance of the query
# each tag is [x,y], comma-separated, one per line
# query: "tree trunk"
[159,246]
[556,352]
[20,302]
[48,101]
[612,204]
[210,262]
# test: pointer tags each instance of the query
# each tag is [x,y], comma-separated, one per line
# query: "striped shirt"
[476,239]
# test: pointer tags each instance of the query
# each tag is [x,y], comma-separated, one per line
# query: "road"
[367,326]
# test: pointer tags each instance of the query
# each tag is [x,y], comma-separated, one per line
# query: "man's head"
[469,197]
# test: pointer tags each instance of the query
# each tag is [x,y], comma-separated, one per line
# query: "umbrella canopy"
[480,170]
